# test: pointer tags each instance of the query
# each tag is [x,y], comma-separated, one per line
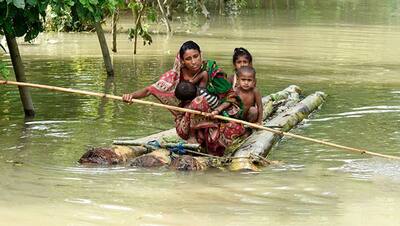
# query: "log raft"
[282,111]
[261,142]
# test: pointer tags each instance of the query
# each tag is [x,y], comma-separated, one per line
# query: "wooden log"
[261,142]
[110,156]
[157,158]
[270,102]
[190,163]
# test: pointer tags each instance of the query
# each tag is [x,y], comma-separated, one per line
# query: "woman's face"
[192,60]
[241,61]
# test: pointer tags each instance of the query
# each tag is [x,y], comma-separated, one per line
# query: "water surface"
[349,53]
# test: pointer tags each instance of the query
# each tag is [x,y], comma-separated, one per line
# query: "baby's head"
[241,57]
[185,91]
[246,77]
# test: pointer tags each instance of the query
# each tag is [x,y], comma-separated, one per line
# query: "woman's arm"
[221,107]
[257,96]
[135,95]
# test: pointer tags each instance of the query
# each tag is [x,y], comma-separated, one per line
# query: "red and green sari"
[212,134]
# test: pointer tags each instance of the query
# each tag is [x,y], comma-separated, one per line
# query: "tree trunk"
[204,9]
[115,17]
[164,16]
[261,142]
[167,5]
[136,19]
[221,6]
[24,93]
[104,49]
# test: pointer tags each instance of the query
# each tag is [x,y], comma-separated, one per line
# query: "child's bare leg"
[252,115]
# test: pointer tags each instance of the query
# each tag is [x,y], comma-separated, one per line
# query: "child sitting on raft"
[249,95]
[241,57]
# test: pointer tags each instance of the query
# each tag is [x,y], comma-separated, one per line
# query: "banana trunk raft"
[282,111]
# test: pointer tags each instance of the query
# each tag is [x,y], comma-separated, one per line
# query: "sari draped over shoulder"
[212,134]
[219,85]
[164,89]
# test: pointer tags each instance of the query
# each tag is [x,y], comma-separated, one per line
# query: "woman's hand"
[127,98]
[214,113]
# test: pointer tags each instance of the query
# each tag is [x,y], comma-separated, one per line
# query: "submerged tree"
[94,12]
[18,19]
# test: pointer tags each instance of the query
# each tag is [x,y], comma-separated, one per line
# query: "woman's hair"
[188,45]
[238,52]
[185,91]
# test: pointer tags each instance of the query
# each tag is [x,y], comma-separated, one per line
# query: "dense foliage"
[22,18]
[79,15]
[26,18]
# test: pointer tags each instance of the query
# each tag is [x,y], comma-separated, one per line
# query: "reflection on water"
[350,53]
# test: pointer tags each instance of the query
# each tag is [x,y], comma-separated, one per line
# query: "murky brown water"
[351,55]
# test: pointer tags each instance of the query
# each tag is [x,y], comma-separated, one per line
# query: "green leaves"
[147,11]
[22,18]
[135,5]
[20,4]
[5,73]
[141,31]
[151,14]
[31,2]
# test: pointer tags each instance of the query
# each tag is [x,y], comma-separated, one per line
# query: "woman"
[215,136]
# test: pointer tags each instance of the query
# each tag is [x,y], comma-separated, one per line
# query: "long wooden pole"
[103,95]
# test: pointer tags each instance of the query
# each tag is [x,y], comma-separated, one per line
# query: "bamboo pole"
[253,125]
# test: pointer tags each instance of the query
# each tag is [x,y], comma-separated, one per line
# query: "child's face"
[242,61]
[192,60]
[247,81]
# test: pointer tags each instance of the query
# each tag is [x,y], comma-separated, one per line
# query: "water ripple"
[366,169]
[48,122]
[377,107]
[78,201]
[366,112]
[115,207]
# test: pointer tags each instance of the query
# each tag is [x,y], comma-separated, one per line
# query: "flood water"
[350,53]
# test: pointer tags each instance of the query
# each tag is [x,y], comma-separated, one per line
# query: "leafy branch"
[141,28]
